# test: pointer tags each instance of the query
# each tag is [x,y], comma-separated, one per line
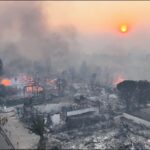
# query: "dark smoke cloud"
[26,38]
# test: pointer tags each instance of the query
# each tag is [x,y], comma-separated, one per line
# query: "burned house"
[55,86]
[81,117]
[67,115]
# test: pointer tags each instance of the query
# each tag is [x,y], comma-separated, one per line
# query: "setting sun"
[123,28]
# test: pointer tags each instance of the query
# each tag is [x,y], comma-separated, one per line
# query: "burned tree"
[2,94]
[1,67]
[93,81]
[38,127]
[83,71]
[61,84]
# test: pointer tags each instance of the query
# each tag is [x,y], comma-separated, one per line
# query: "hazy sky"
[99,16]
[99,22]
[64,31]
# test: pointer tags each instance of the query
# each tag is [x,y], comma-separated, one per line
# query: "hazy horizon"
[65,34]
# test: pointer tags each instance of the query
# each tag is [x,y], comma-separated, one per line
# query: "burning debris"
[118,79]
[6,82]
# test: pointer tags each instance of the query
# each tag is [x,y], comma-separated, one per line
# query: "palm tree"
[37,126]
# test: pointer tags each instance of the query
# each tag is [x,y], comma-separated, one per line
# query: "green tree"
[127,91]
[143,92]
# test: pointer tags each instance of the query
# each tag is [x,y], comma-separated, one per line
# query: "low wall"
[82,111]
[133,118]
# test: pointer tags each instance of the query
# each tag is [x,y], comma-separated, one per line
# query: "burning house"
[33,90]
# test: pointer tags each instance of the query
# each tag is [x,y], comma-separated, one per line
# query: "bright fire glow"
[123,28]
[6,82]
[118,80]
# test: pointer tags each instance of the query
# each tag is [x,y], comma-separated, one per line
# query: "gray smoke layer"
[127,54]
[26,39]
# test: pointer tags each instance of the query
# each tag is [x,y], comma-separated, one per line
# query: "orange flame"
[6,82]
[118,80]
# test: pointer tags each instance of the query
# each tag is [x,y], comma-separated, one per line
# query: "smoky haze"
[27,39]
[27,42]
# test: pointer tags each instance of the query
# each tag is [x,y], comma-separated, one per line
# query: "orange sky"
[98,16]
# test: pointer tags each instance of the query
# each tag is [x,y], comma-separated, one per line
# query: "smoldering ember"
[74,75]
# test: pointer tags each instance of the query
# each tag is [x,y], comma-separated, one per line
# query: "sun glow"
[123,28]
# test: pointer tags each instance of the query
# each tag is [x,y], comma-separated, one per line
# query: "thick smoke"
[127,54]
[29,44]
[27,40]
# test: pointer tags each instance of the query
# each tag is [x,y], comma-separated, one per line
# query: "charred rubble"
[73,113]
